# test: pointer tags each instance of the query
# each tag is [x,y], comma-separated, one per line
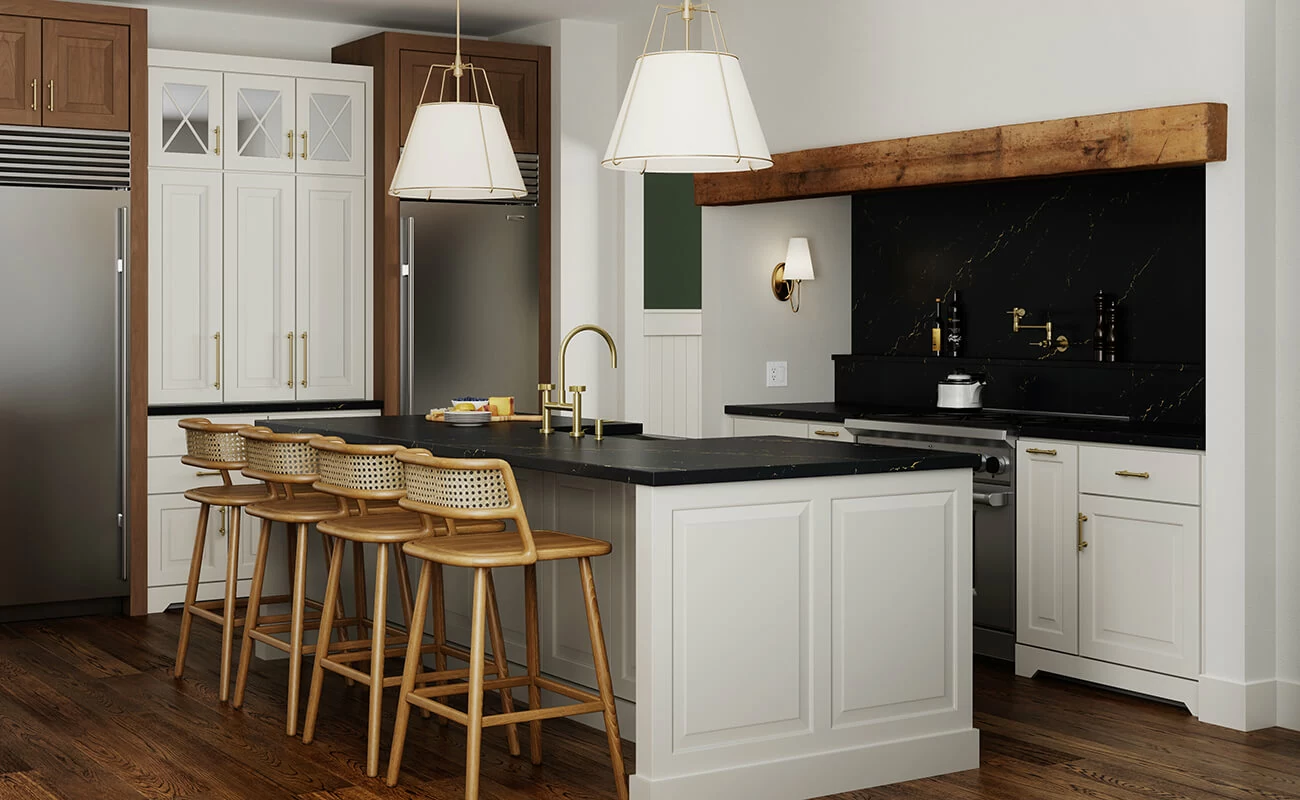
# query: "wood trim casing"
[1149,138]
[382,51]
[76,12]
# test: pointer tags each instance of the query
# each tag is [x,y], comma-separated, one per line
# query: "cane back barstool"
[477,490]
[215,448]
[288,465]
[362,477]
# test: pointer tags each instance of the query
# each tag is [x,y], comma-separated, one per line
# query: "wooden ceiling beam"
[1149,138]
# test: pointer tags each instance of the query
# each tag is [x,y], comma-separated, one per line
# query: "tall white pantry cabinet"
[259,230]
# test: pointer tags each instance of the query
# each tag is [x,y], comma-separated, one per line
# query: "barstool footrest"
[213,617]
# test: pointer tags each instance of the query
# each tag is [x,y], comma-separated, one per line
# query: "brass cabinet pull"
[51,106]
[293,356]
[1082,544]
[1038,452]
[216,151]
[222,531]
[304,356]
[291,144]
[36,94]
[207,473]
[216,337]
[1123,473]
[827,433]
[304,145]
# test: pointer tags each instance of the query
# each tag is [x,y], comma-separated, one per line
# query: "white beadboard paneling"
[672,374]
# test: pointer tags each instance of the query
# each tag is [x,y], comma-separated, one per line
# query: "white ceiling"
[479,17]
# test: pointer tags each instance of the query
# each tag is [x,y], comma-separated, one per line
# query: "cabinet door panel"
[331,288]
[20,71]
[1139,585]
[260,273]
[416,76]
[331,124]
[259,112]
[173,523]
[1047,576]
[512,84]
[87,75]
[185,118]
[184,286]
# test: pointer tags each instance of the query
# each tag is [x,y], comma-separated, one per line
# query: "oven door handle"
[993,499]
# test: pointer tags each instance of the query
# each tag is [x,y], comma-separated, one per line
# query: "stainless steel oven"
[994,511]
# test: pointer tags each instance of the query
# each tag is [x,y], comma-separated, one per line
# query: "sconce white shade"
[458,151]
[798,261]
[687,111]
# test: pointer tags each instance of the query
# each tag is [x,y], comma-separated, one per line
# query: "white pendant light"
[687,110]
[458,150]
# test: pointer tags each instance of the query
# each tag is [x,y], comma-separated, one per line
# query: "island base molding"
[822,774]
[1032,660]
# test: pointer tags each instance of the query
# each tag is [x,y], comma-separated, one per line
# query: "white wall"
[745,326]
[247,35]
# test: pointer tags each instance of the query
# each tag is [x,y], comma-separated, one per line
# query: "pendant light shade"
[458,150]
[688,110]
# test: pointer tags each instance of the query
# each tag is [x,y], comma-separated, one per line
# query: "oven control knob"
[995,464]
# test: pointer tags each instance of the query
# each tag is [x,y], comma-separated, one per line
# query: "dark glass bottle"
[936,329]
[954,342]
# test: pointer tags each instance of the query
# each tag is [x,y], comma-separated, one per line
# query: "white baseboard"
[1031,660]
[838,771]
[161,598]
[1288,704]
[1241,706]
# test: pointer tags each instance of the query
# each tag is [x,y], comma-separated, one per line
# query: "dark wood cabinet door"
[513,86]
[87,76]
[20,70]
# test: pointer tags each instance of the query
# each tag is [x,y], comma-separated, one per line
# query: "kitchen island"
[786,618]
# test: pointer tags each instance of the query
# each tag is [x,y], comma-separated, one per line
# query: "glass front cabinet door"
[186,129]
[331,127]
[260,113]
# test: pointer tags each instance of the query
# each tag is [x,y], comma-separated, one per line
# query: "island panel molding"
[1169,136]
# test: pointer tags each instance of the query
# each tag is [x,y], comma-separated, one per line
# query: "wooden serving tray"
[437,417]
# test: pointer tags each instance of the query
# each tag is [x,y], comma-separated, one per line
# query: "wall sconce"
[796,268]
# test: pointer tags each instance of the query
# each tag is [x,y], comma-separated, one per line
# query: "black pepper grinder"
[1099,334]
[1112,335]
[954,340]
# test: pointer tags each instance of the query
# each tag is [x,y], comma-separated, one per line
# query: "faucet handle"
[577,388]
[545,387]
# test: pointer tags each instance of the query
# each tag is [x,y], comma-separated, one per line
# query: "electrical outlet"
[777,372]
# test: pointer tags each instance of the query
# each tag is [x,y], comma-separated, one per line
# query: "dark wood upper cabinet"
[513,85]
[20,71]
[86,69]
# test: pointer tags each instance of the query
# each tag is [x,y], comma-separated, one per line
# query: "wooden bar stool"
[210,446]
[478,490]
[363,478]
[288,465]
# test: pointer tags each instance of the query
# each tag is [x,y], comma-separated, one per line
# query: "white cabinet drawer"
[754,426]
[167,475]
[827,432]
[167,439]
[1163,475]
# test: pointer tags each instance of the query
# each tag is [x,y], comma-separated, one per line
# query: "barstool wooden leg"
[340,611]
[246,644]
[404,577]
[534,660]
[439,625]
[412,667]
[602,676]
[328,610]
[232,595]
[192,589]
[296,614]
[359,587]
[378,634]
[477,651]
[499,658]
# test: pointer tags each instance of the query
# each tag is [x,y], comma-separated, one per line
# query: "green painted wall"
[672,242]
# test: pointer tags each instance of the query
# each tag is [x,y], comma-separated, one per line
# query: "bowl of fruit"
[466,411]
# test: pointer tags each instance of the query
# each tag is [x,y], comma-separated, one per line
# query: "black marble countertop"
[203,409]
[1026,424]
[636,458]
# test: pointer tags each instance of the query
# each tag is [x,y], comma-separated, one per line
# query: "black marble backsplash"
[1048,246]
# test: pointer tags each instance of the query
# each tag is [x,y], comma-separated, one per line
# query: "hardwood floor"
[89,710]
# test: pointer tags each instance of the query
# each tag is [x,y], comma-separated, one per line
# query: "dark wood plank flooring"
[89,711]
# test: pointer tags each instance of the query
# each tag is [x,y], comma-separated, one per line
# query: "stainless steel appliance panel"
[62,392]
[470,297]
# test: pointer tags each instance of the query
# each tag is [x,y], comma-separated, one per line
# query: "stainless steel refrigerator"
[63,268]
[469,303]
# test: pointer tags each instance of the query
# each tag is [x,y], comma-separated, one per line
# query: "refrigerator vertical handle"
[121,318]
[407,369]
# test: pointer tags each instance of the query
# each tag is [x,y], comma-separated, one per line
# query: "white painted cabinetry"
[1109,565]
[800,429]
[259,258]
